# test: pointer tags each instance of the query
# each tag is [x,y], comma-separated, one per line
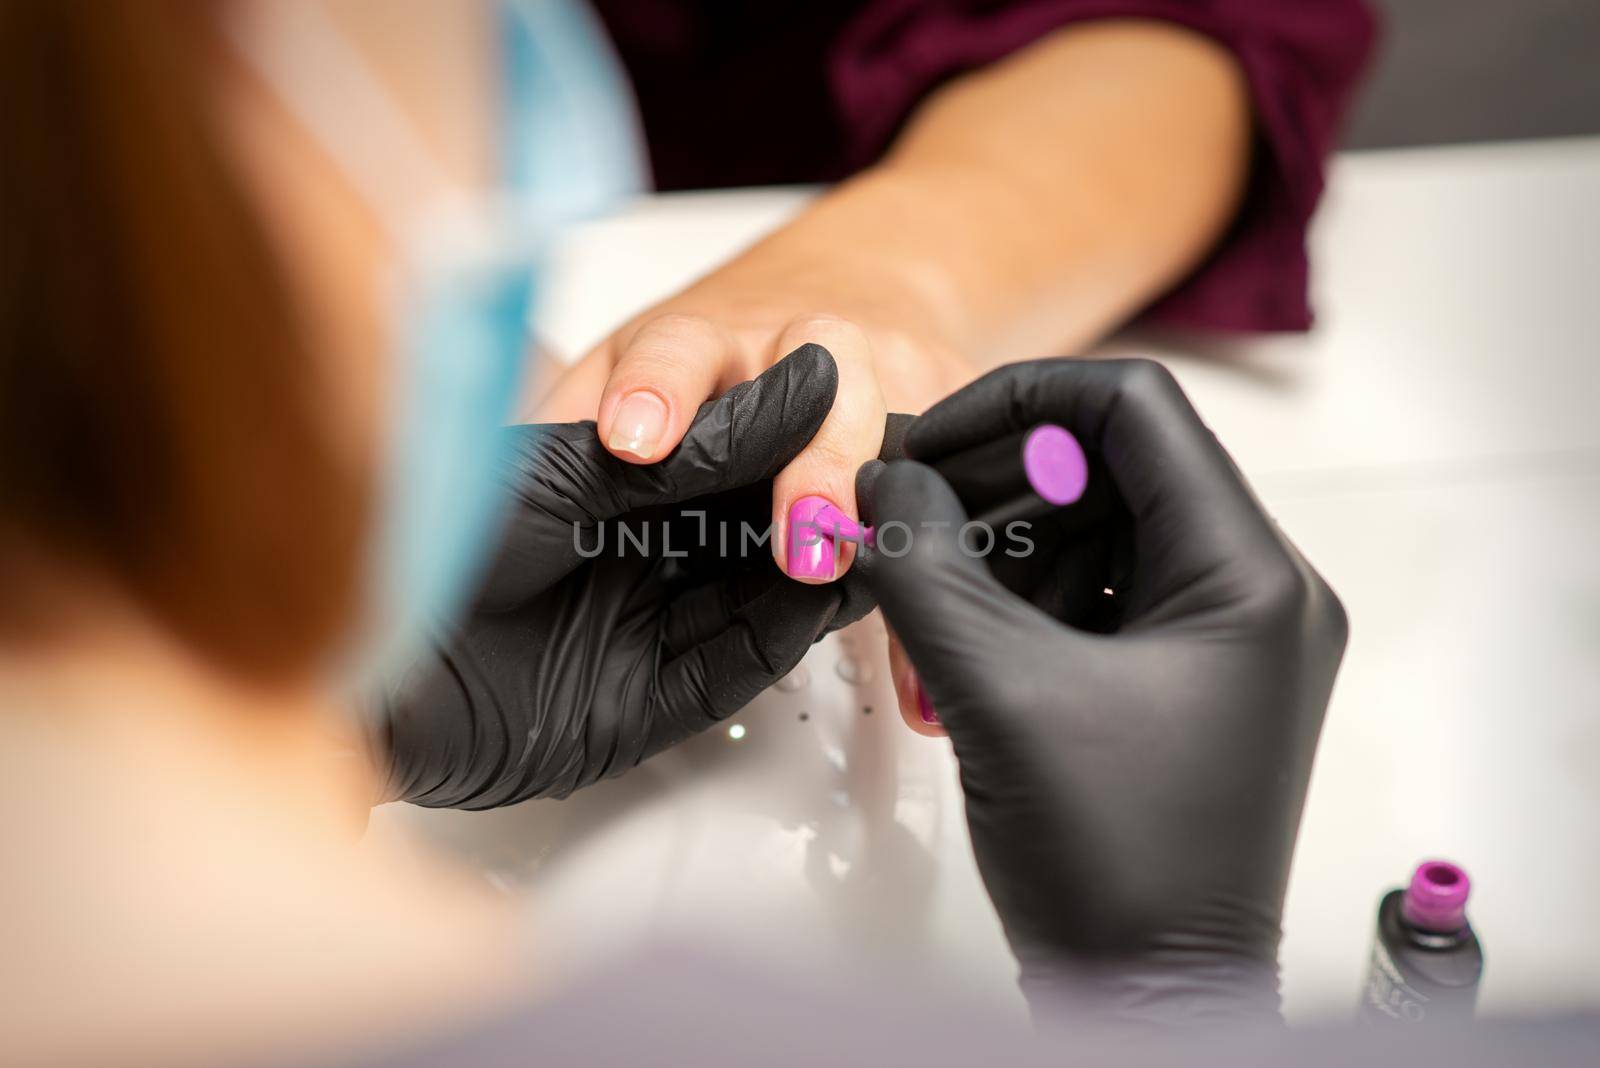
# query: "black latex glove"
[1133,781]
[572,669]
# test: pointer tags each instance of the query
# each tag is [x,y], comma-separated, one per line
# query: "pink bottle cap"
[1436,900]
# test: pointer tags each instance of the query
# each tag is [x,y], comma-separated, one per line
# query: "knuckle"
[826,455]
[855,423]
[827,330]
[654,361]
[1278,593]
[1148,382]
[676,325]
[671,343]
[1334,617]
[852,433]
[666,375]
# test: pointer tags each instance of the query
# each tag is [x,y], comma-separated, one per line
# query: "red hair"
[156,417]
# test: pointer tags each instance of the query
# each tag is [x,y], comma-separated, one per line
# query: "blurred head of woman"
[167,430]
[189,365]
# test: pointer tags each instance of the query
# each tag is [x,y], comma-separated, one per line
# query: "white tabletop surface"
[1433,447]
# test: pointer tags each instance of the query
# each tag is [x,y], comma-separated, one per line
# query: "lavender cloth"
[737,94]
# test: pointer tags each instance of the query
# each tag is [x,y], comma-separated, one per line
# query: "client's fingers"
[916,708]
[663,372]
[565,484]
[574,393]
[823,475]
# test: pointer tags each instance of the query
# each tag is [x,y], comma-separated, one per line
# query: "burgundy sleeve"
[1301,60]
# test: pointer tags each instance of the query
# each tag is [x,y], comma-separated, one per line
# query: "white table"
[1433,447]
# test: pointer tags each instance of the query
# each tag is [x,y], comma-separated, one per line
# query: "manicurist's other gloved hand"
[629,606]
[1134,763]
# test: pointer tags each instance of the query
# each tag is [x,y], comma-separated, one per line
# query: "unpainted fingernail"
[811,554]
[639,424]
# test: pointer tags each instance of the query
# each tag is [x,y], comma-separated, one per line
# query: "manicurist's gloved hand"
[1135,763]
[629,607]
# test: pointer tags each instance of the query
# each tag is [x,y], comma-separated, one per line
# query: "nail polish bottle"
[1426,958]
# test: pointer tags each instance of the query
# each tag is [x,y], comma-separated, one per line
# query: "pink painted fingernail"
[811,554]
[924,705]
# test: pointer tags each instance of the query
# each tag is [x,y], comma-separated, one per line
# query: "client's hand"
[1135,729]
[811,283]
[629,607]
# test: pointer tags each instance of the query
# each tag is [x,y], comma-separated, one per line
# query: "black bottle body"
[1419,976]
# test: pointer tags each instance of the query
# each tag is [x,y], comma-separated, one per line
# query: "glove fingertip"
[896,427]
[775,415]
[867,476]
[794,395]
[813,366]
[752,431]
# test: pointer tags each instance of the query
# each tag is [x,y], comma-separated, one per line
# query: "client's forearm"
[1031,206]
